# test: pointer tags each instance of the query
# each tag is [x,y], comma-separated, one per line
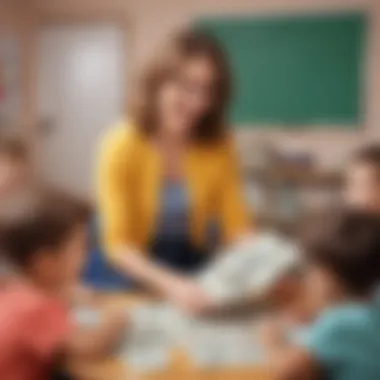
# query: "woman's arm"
[116,203]
[184,292]
[233,211]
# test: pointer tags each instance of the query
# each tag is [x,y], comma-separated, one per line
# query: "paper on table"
[157,328]
[86,317]
[151,335]
[149,341]
[218,345]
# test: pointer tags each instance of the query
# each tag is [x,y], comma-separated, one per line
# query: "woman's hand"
[189,297]
[183,292]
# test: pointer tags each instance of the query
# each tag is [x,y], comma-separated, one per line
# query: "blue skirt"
[177,254]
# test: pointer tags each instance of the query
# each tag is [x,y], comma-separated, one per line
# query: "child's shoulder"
[27,301]
[344,315]
[343,321]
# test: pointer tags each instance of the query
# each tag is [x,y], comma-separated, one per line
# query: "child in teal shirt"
[343,271]
[362,180]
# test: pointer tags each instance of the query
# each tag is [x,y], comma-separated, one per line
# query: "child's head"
[344,257]
[363,180]
[14,160]
[45,239]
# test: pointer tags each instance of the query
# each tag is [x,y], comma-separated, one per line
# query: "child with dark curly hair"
[342,278]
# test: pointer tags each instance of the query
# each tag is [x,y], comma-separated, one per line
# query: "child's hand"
[272,333]
[114,324]
[116,319]
[101,340]
[79,294]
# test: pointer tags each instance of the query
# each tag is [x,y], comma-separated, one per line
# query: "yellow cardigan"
[128,189]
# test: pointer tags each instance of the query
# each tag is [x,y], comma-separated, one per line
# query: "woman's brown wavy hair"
[168,60]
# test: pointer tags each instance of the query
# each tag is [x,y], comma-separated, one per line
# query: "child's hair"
[369,155]
[13,148]
[348,245]
[44,220]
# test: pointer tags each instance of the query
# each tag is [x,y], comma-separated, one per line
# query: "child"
[14,164]
[363,179]
[14,173]
[344,341]
[45,240]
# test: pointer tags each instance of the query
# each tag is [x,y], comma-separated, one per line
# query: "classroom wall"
[11,16]
[150,21]
[17,21]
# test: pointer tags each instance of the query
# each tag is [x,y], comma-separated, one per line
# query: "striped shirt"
[173,221]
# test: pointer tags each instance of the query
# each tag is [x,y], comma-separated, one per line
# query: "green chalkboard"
[294,71]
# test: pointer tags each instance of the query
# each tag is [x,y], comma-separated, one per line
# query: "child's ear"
[43,259]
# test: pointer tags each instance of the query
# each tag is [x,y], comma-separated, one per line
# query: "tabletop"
[180,366]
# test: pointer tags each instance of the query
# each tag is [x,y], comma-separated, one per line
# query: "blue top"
[172,245]
[173,222]
[345,341]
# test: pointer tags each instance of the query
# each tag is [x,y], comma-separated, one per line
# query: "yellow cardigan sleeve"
[233,210]
[113,190]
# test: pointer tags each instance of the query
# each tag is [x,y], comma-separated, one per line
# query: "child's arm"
[293,363]
[100,340]
[80,294]
[286,361]
[48,335]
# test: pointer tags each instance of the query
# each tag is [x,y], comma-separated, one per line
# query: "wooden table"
[180,367]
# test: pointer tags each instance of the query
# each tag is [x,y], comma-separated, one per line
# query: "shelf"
[298,176]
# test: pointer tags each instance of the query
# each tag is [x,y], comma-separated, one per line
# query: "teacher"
[170,172]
